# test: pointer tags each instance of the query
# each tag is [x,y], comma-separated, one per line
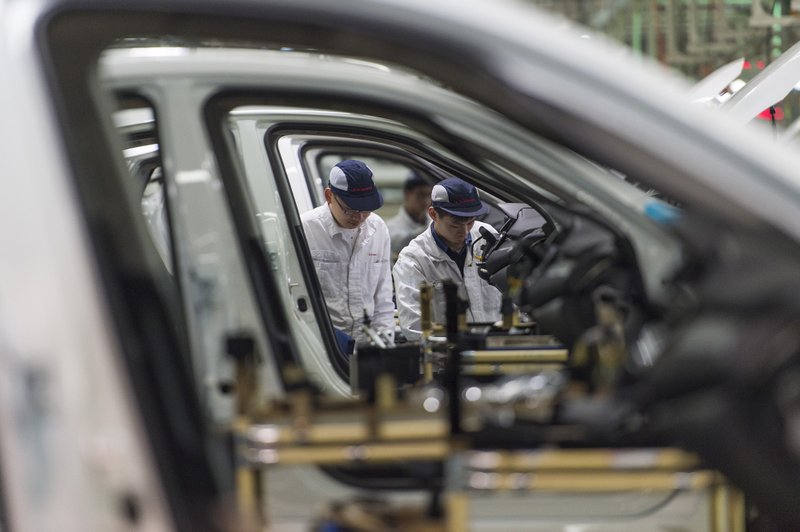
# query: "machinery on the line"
[477,409]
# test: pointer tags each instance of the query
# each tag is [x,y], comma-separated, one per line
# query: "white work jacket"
[423,260]
[353,269]
[403,228]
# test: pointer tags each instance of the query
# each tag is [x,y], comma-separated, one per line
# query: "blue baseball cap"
[415,180]
[351,180]
[457,197]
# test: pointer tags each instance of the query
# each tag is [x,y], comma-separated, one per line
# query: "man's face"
[344,216]
[417,201]
[452,229]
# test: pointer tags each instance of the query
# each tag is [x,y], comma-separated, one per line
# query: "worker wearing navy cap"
[351,252]
[412,217]
[444,253]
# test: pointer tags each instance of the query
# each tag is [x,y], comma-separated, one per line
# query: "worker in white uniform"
[412,218]
[350,248]
[444,252]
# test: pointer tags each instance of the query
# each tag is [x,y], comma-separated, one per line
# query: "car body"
[117,345]
[762,94]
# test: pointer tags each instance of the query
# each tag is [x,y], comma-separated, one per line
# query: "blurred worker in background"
[412,218]
[444,253]
[350,247]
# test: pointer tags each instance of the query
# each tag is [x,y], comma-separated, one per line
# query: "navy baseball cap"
[351,180]
[414,180]
[457,197]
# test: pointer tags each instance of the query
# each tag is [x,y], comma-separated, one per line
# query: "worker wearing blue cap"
[444,253]
[350,248]
[412,217]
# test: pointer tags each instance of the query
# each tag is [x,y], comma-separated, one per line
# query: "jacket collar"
[411,221]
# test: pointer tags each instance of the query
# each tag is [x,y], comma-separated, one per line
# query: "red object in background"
[760,64]
[765,115]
